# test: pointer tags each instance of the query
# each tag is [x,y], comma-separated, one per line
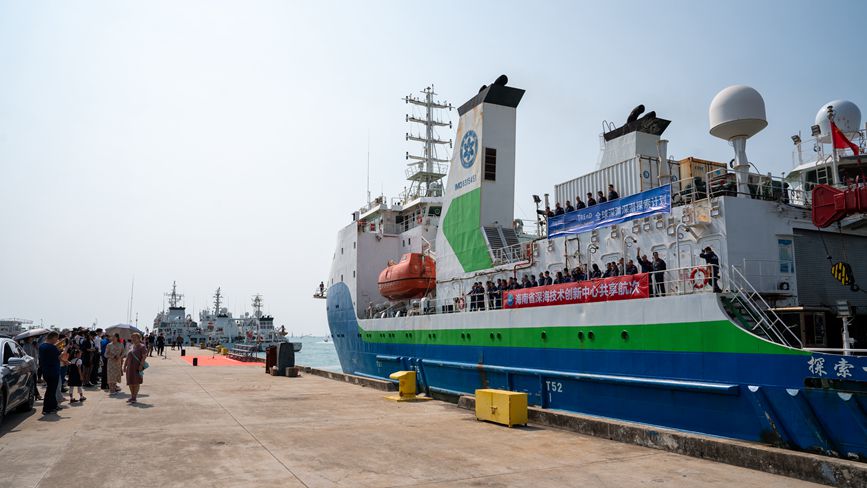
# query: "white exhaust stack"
[664,170]
[736,114]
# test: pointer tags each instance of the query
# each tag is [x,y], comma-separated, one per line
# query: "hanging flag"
[840,140]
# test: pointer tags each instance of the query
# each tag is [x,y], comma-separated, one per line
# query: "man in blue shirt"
[104,372]
[49,361]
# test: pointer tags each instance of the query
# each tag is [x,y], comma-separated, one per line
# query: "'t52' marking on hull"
[553,387]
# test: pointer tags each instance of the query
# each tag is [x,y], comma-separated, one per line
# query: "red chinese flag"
[840,140]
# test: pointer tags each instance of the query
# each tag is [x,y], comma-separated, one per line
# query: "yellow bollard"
[406,387]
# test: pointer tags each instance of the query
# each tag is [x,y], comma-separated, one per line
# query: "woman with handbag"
[134,366]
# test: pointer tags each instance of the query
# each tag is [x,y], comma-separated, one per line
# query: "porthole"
[499,336]
[492,336]
[624,335]
[591,335]
[581,336]
[544,336]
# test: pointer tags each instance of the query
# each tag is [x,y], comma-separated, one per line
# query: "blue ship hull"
[753,397]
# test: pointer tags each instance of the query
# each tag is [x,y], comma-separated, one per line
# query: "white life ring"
[699,277]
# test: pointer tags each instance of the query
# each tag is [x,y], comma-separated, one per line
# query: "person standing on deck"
[659,274]
[712,260]
[646,267]
[134,366]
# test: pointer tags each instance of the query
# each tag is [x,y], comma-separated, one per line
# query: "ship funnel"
[736,114]
[664,170]
[481,183]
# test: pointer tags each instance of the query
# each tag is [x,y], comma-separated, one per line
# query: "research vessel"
[753,329]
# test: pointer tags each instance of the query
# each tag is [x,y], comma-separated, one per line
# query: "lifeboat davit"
[412,277]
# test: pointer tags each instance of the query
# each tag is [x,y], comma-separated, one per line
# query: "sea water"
[316,353]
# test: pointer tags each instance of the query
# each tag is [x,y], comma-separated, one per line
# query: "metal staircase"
[747,307]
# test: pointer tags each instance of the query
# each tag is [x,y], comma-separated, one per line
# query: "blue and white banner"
[614,212]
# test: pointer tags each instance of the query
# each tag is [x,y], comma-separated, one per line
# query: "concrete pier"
[235,426]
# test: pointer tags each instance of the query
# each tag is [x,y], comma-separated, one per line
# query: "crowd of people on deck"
[74,361]
[489,296]
[579,203]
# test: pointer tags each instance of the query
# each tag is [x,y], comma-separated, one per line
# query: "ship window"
[341,278]
[353,273]
[409,241]
[787,261]
[490,164]
[353,245]
[341,251]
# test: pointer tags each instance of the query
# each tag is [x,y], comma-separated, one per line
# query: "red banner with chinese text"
[602,290]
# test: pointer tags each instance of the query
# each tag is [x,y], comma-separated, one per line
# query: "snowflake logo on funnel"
[469,147]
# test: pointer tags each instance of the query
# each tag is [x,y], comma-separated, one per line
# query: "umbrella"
[125,330]
[32,333]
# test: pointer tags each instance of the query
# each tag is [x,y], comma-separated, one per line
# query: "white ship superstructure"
[220,327]
[174,322]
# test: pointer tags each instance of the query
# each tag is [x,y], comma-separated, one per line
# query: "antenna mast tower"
[174,297]
[426,170]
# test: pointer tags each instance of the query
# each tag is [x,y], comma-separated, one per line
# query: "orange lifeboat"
[412,277]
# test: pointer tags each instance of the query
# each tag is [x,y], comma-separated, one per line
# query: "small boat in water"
[413,277]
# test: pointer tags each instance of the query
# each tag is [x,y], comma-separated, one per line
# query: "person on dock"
[134,366]
[180,343]
[103,374]
[76,376]
[161,345]
[114,359]
[49,361]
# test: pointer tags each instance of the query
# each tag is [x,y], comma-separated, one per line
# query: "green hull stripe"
[462,228]
[715,336]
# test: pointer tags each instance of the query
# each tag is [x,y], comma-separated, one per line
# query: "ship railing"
[769,276]
[675,281]
[763,319]
[510,254]
[721,182]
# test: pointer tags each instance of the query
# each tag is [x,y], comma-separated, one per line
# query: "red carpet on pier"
[220,361]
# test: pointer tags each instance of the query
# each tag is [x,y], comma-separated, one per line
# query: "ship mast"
[257,306]
[174,297]
[428,168]
[217,302]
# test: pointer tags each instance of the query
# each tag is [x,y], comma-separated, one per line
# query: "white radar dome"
[847,116]
[737,111]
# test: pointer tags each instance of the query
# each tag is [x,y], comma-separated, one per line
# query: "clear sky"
[225,143]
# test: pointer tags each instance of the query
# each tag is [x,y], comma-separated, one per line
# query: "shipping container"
[629,177]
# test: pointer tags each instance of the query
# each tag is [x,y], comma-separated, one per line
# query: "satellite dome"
[737,111]
[847,116]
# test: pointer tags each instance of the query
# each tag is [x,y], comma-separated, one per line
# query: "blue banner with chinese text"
[614,212]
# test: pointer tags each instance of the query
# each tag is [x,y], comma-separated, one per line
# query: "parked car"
[17,379]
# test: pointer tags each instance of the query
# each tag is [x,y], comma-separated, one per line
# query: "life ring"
[461,303]
[703,276]
[418,219]
[528,251]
